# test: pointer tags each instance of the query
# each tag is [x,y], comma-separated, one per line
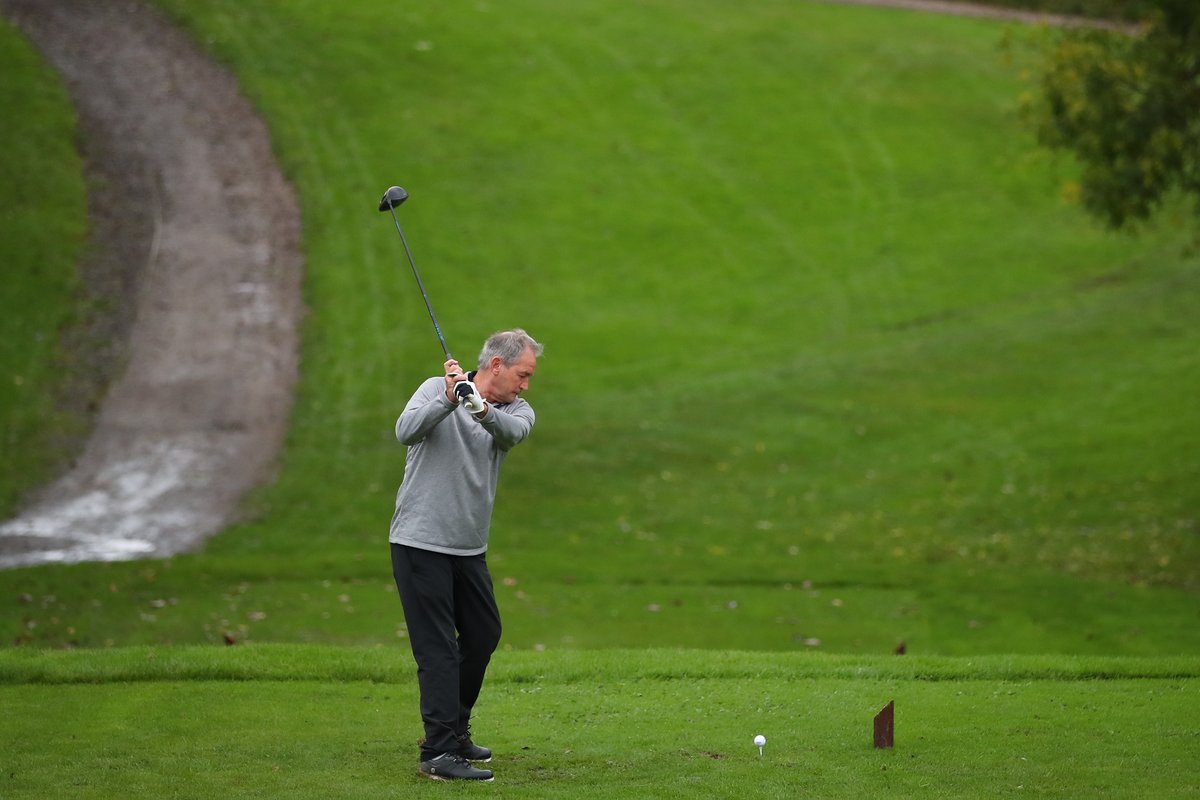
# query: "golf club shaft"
[437,328]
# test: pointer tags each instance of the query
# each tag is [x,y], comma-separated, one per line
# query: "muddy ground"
[194,246]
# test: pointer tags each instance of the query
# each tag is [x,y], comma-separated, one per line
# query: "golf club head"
[393,197]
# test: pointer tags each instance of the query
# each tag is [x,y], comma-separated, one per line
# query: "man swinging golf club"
[458,429]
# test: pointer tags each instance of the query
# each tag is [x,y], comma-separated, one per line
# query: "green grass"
[829,366]
[293,721]
[43,216]
[326,600]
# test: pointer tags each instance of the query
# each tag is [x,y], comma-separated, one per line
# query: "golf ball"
[760,740]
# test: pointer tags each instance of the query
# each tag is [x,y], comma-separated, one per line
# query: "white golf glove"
[470,397]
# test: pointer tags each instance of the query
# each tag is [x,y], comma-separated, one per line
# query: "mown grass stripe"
[394,665]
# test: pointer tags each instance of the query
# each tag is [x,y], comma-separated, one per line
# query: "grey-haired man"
[458,429]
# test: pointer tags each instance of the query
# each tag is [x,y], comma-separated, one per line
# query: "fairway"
[815,314]
[830,365]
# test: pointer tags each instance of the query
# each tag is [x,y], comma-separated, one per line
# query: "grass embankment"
[289,721]
[829,364]
[43,220]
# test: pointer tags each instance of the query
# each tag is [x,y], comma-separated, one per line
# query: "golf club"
[393,197]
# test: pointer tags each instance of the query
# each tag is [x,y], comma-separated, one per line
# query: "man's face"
[509,381]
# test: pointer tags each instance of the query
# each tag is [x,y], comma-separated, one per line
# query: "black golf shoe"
[471,751]
[453,767]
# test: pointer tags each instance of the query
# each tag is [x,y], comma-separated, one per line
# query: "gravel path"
[989,12]
[190,216]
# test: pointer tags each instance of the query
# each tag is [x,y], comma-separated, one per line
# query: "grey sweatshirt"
[445,499]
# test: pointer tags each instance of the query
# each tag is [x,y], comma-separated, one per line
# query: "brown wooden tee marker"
[884,726]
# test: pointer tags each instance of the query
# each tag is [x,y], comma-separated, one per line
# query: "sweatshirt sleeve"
[511,426]
[425,409]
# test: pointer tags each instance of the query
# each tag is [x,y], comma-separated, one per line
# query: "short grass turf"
[354,602]
[301,722]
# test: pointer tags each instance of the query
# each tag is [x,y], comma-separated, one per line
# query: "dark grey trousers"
[454,627]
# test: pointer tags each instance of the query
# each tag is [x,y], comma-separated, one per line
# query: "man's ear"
[495,365]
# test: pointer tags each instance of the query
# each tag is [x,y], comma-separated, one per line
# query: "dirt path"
[990,12]
[194,223]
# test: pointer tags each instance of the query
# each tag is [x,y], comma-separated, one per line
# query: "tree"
[1127,104]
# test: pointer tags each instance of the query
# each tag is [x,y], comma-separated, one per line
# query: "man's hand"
[471,399]
[454,375]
